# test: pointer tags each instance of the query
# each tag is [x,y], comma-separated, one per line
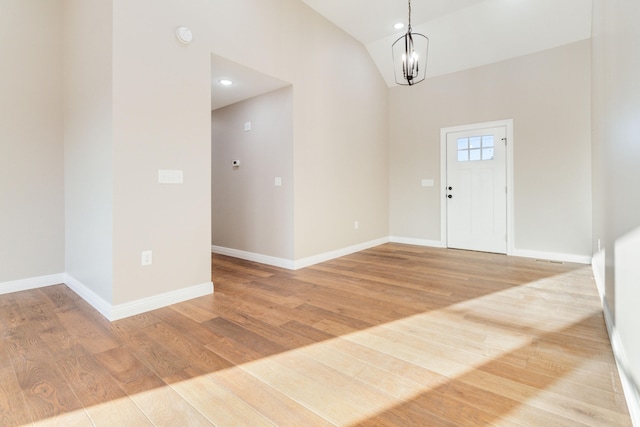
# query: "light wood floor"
[395,335]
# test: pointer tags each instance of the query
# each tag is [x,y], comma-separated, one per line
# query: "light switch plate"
[278,181]
[146,258]
[427,183]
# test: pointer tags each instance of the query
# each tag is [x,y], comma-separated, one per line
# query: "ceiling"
[247,82]
[371,20]
[462,34]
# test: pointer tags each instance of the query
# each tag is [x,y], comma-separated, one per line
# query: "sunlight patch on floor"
[431,347]
[356,376]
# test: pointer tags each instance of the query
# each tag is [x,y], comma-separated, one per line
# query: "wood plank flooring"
[396,335]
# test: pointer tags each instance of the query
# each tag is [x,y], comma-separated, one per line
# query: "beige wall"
[249,213]
[547,94]
[616,173]
[340,148]
[31,147]
[136,101]
[340,128]
[161,119]
[88,146]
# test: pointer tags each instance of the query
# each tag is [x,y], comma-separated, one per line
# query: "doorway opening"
[251,164]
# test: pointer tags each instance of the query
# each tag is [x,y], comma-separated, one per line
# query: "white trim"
[511,229]
[316,259]
[508,124]
[417,242]
[630,392]
[597,265]
[552,256]
[301,263]
[31,283]
[255,257]
[143,305]
[443,182]
[95,300]
[120,311]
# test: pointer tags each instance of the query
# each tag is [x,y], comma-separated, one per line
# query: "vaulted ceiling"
[462,34]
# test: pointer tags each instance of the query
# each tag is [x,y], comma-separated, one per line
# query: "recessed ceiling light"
[225,82]
[398,25]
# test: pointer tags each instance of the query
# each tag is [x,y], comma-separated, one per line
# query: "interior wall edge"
[631,392]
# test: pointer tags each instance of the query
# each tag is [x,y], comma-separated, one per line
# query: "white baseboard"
[317,259]
[94,300]
[552,256]
[31,283]
[417,242]
[132,308]
[251,256]
[298,264]
[120,311]
[631,391]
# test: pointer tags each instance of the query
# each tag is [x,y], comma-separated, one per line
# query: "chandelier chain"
[409,26]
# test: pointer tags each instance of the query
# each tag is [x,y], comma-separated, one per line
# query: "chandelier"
[410,56]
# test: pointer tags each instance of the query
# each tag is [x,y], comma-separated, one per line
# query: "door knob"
[450,188]
[450,196]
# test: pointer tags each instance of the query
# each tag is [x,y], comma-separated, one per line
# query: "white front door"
[476,189]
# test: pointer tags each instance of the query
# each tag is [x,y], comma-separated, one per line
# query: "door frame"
[508,124]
